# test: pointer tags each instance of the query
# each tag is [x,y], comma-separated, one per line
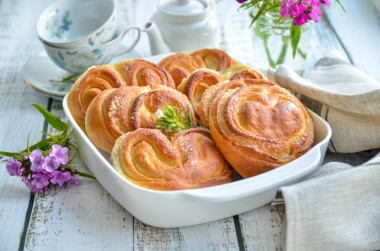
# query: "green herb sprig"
[171,121]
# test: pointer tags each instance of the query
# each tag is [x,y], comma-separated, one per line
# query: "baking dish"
[189,207]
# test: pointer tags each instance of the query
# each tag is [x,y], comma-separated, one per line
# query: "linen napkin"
[344,96]
[338,206]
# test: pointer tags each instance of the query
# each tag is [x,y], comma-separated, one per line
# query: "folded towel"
[338,206]
[344,96]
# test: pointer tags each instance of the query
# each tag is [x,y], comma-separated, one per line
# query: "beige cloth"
[344,96]
[338,206]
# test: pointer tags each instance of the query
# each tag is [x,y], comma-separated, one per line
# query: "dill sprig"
[171,122]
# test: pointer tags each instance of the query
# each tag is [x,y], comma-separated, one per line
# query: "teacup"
[80,59]
[74,24]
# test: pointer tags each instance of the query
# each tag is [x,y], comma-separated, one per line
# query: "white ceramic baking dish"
[189,207]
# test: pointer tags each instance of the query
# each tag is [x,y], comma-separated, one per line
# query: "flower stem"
[84,175]
[282,56]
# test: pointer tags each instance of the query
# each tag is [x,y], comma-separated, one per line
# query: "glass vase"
[272,44]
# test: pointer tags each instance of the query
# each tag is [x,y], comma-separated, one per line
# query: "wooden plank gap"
[27,220]
[239,234]
[32,194]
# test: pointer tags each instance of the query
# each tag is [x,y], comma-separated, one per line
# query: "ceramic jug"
[183,25]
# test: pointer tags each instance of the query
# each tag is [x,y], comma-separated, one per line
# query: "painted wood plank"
[17,43]
[217,235]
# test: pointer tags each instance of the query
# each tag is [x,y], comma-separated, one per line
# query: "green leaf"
[261,11]
[43,145]
[9,154]
[53,120]
[341,5]
[295,36]
[188,119]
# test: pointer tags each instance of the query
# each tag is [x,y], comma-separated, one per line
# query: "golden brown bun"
[240,71]
[215,91]
[149,159]
[196,83]
[214,59]
[140,72]
[121,110]
[260,127]
[108,116]
[88,86]
[145,106]
[180,65]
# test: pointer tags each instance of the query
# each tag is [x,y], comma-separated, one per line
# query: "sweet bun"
[180,65]
[240,71]
[215,91]
[140,72]
[214,59]
[147,158]
[121,110]
[197,83]
[108,116]
[260,127]
[88,86]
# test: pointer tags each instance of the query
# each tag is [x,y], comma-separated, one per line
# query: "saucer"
[41,74]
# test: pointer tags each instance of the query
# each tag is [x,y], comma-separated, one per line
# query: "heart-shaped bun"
[260,127]
[189,160]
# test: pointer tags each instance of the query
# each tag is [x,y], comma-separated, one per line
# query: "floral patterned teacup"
[79,60]
[74,24]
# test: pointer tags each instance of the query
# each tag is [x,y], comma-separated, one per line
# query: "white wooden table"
[87,217]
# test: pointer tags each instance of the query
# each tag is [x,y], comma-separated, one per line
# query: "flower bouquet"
[46,163]
[286,19]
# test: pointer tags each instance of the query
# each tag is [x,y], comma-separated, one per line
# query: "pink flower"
[60,154]
[296,11]
[315,11]
[284,10]
[301,19]
[241,1]
[36,160]
[326,3]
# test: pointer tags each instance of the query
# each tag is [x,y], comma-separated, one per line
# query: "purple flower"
[13,167]
[36,160]
[60,154]
[50,164]
[241,1]
[27,182]
[60,178]
[74,181]
[40,182]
